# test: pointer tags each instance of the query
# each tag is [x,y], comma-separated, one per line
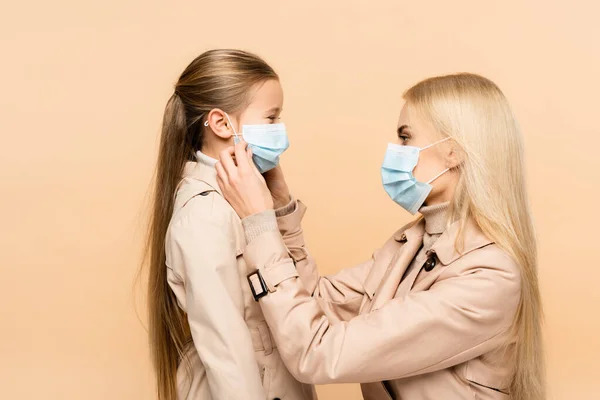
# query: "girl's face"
[266,104]
[415,131]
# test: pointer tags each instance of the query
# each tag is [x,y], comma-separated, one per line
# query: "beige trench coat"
[437,334]
[232,355]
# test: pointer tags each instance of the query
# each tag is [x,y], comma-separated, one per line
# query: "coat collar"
[203,170]
[445,246]
[411,232]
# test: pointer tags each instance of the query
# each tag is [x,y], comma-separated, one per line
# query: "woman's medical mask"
[267,141]
[398,180]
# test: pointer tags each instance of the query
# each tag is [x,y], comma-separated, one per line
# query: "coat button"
[429,264]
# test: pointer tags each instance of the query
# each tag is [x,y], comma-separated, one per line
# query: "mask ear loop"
[438,175]
[444,171]
[433,144]
[236,139]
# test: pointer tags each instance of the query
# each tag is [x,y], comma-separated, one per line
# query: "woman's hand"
[278,187]
[242,185]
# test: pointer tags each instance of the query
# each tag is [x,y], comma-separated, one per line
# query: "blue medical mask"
[267,141]
[398,180]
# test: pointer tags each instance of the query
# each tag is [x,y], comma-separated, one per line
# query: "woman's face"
[415,131]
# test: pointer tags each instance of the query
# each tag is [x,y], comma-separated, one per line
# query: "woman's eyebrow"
[402,128]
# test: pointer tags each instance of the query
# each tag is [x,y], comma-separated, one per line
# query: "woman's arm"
[465,314]
[203,257]
[341,294]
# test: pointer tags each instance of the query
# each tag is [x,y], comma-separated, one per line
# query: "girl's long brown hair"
[216,79]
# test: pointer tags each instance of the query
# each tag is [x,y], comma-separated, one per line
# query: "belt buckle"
[263,286]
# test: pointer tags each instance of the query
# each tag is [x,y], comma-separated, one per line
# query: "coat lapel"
[408,283]
[445,246]
[413,238]
[391,284]
[202,172]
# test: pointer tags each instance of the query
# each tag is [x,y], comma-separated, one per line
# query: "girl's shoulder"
[199,207]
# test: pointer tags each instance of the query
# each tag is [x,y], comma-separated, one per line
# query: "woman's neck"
[448,183]
[435,218]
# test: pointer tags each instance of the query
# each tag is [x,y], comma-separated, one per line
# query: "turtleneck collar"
[435,218]
[204,159]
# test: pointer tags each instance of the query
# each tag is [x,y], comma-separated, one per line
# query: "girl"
[449,307]
[209,339]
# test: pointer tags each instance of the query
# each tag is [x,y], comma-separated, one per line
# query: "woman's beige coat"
[438,334]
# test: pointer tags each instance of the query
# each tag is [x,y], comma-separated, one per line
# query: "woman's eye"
[404,138]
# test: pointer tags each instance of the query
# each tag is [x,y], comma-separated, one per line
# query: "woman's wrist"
[287,208]
[281,201]
[257,224]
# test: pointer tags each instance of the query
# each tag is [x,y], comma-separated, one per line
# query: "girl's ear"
[218,122]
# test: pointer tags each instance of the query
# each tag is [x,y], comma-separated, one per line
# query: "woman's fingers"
[242,185]
[251,162]
[221,174]
[220,182]
[226,158]
[241,156]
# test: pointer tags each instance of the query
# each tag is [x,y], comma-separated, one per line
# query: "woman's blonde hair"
[491,191]
[216,79]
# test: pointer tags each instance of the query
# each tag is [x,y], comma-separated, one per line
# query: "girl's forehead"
[267,94]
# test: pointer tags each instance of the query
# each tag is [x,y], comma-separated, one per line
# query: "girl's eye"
[404,138]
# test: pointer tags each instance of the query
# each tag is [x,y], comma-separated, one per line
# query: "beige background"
[82,89]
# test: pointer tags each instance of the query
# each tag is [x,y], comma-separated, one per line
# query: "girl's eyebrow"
[274,110]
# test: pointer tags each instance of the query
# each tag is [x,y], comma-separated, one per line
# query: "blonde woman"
[449,307]
[208,337]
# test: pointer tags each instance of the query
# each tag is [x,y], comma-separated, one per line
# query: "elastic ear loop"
[444,171]
[433,144]
[438,175]
[236,140]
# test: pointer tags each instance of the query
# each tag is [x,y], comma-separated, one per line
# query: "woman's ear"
[218,122]
[455,156]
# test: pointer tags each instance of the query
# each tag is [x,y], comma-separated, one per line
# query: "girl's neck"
[213,148]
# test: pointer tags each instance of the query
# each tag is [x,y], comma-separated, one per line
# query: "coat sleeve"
[204,257]
[465,314]
[341,294]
